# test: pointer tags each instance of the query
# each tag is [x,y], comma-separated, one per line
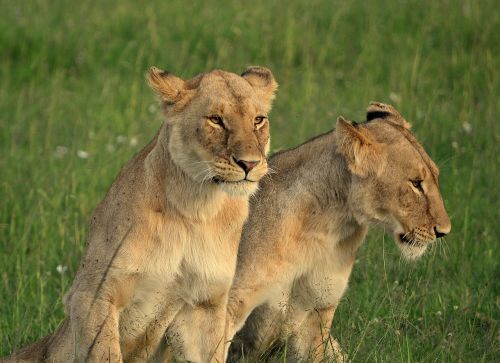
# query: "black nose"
[439,234]
[246,165]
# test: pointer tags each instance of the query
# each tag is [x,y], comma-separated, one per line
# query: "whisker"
[270,171]
[201,172]
[208,174]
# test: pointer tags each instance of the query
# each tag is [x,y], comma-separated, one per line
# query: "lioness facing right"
[308,220]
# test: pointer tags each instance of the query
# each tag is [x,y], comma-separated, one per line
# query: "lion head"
[219,126]
[394,181]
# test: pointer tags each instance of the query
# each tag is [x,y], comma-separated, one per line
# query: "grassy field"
[74,108]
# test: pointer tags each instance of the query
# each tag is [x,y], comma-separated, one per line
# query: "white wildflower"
[152,108]
[439,313]
[394,97]
[133,141]
[82,154]
[467,127]
[120,139]
[110,148]
[454,145]
[455,307]
[61,269]
[60,151]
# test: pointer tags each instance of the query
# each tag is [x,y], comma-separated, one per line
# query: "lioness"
[308,220]
[162,244]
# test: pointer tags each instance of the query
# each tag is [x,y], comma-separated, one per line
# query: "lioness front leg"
[150,345]
[94,329]
[260,331]
[311,339]
[197,333]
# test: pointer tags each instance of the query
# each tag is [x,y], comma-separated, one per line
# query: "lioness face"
[414,209]
[220,127]
[398,189]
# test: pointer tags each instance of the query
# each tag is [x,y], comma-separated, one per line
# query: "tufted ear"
[363,154]
[381,110]
[262,81]
[169,87]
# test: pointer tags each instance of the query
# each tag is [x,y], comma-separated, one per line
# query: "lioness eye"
[216,119]
[259,120]
[417,184]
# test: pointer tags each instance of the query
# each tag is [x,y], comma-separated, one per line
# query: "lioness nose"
[246,165]
[439,233]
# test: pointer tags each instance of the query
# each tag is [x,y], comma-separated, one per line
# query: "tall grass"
[72,82]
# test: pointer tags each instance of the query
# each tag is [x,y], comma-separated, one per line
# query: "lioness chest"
[183,262]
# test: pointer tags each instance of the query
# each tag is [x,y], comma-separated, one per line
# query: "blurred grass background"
[74,108]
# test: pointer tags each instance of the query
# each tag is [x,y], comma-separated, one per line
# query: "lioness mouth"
[218,180]
[405,238]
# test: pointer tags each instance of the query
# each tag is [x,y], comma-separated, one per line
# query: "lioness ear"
[363,154]
[263,83]
[382,110]
[166,85]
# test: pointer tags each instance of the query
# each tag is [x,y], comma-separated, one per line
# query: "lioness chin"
[161,249]
[308,220]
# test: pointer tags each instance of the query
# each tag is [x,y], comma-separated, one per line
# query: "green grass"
[72,75]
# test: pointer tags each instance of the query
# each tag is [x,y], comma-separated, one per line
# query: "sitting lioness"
[308,220]
[162,245]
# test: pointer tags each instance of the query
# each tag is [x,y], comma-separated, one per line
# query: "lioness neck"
[315,180]
[175,190]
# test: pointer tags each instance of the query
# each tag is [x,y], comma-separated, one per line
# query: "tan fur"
[162,245]
[308,220]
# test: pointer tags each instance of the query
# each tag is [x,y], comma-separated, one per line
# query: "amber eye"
[417,183]
[259,121]
[216,119]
